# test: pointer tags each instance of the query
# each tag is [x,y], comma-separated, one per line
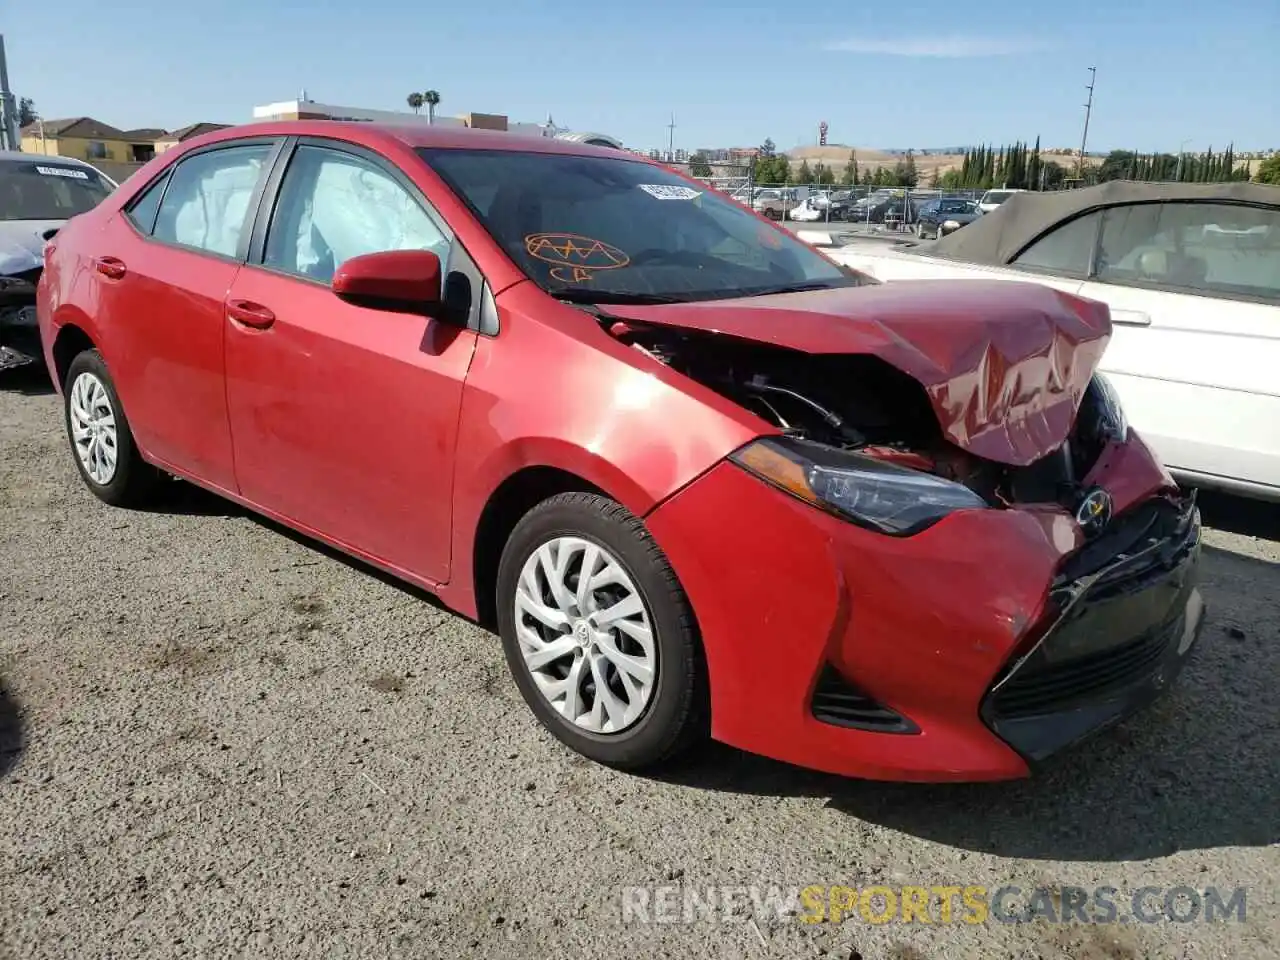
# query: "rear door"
[1194,290]
[344,418]
[162,271]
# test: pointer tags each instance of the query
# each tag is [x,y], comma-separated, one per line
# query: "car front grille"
[1048,688]
[1120,602]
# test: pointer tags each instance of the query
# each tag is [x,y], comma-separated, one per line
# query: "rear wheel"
[599,634]
[105,453]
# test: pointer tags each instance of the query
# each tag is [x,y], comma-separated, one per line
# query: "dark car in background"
[38,194]
[945,215]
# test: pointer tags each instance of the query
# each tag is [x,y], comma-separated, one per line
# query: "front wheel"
[106,455]
[599,634]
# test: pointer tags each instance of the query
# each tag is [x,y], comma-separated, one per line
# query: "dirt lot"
[217,740]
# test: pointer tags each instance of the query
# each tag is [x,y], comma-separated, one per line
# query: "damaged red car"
[700,479]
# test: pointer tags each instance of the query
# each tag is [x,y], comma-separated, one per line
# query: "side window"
[1207,248]
[334,206]
[208,198]
[1066,249]
[144,209]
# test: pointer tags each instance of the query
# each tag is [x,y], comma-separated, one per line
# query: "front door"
[344,418]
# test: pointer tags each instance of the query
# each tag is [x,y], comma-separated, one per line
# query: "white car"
[992,199]
[1191,273]
[809,210]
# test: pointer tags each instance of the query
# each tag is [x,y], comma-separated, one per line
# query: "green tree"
[804,174]
[1118,165]
[1054,175]
[850,177]
[826,175]
[431,98]
[415,102]
[1268,170]
[767,149]
[699,165]
[27,111]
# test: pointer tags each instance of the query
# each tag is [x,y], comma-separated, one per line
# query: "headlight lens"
[1114,424]
[872,494]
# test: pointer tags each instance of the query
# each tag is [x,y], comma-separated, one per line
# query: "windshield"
[40,191]
[600,229]
[997,196]
[955,206]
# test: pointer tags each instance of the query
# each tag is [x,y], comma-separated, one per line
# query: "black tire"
[677,714]
[134,482]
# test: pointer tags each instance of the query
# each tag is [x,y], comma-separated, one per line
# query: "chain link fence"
[862,208]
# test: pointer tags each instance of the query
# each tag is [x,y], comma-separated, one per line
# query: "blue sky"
[925,73]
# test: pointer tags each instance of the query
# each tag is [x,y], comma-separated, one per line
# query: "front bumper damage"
[1123,616]
[971,651]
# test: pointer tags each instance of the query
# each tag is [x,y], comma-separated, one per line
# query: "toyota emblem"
[1094,511]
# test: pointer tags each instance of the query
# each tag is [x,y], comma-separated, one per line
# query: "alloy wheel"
[93,428]
[585,635]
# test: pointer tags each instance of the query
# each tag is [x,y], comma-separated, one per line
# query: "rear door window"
[1066,249]
[1215,249]
[207,203]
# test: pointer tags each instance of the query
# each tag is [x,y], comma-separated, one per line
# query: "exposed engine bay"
[19,334]
[860,403]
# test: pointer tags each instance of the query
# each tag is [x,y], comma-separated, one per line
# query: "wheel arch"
[507,504]
[71,340]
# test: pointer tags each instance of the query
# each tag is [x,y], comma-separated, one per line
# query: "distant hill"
[837,155]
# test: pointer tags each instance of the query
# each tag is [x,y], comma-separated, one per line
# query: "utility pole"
[1088,109]
[671,140]
[8,108]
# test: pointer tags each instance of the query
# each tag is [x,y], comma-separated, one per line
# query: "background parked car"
[38,195]
[993,198]
[776,202]
[1191,273]
[945,215]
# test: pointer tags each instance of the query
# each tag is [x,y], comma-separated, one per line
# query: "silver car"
[775,202]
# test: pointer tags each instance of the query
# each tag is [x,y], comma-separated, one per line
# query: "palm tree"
[432,99]
[415,101]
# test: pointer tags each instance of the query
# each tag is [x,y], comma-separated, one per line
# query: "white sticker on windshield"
[664,192]
[63,172]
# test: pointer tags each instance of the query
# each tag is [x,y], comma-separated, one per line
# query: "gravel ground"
[218,740]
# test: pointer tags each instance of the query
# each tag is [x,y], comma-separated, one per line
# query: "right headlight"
[1114,425]
[873,494]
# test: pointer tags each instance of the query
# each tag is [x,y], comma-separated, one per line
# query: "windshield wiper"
[792,288]
[607,296]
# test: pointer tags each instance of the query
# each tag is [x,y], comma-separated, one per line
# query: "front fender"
[569,396]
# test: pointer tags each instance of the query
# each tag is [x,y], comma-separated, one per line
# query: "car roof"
[17,156]
[414,135]
[999,236]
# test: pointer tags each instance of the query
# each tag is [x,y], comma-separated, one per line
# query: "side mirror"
[405,280]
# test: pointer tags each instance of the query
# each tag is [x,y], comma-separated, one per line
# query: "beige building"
[167,141]
[85,138]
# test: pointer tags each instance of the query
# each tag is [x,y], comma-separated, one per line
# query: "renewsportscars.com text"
[936,904]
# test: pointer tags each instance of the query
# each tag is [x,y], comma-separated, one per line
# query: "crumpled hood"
[1004,364]
[21,244]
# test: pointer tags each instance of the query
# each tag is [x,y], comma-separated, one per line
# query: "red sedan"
[699,478]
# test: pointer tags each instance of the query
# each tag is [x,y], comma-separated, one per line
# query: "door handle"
[1131,318]
[110,267]
[250,314]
